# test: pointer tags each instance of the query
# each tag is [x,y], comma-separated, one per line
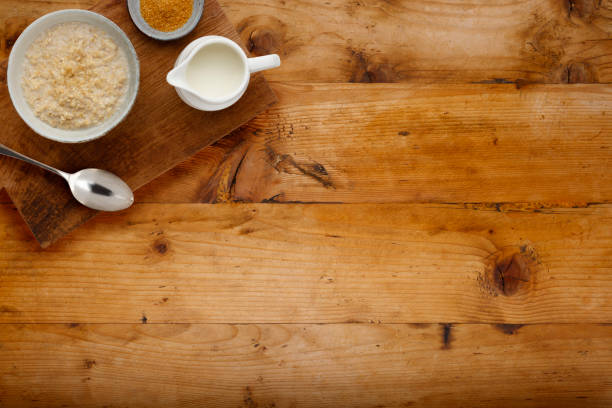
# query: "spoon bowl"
[100,190]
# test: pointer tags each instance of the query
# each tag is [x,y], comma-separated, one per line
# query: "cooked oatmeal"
[75,76]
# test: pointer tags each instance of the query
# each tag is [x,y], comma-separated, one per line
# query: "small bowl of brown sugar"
[166,19]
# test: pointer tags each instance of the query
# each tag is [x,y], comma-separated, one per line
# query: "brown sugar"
[166,15]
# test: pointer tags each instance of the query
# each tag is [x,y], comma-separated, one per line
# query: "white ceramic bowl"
[15,70]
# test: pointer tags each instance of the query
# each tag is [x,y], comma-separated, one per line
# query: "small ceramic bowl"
[196,14]
[17,60]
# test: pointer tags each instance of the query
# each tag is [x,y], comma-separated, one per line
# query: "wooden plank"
[305,365]
[409,41]
[265,263]
[414,41]
[409,143]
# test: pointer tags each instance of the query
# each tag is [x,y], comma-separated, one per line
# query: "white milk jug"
[212,72]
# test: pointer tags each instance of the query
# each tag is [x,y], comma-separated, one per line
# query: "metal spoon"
[94,188]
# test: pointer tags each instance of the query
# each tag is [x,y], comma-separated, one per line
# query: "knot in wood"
[161,246]
[511,274]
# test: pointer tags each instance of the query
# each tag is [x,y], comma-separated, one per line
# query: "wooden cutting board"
[160,132]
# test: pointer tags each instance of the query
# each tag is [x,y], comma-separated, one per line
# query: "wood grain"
[4,198]
[265,263]
[305,365]
[160,132]
[434,42]
[410,143]
[551,41]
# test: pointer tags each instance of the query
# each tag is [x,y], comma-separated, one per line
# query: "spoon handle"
[11,153]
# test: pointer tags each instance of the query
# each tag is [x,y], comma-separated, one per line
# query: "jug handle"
[262,63]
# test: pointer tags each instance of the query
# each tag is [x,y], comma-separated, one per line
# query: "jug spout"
[178,77]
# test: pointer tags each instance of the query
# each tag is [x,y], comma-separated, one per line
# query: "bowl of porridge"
[73,75]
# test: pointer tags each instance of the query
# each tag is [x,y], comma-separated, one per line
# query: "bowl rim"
[108,126]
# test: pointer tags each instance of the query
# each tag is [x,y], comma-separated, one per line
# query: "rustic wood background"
[444,236]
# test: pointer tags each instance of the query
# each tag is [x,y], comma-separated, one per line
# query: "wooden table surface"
[423,220]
